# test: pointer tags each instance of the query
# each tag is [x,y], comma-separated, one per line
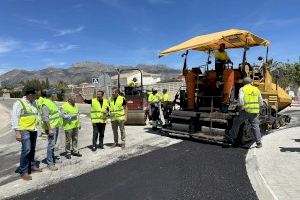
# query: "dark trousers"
[28,150]
[98,129]
[219,66]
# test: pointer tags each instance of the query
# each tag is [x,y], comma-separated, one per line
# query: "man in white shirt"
[24,122]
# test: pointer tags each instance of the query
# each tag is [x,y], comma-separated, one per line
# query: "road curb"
[259,184]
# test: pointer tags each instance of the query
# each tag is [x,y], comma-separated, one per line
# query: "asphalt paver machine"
[208,104]
[136,99]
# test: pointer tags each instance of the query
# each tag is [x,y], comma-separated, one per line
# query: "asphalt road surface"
[187,170]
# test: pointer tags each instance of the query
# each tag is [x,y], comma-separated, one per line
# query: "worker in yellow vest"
[221,57]
[165,96]
[52,120]
[24,123]
[166,105]
[71,125]
[133,82]
[250,100]
[99,116]
[154,103]
[118,116]
[39,102]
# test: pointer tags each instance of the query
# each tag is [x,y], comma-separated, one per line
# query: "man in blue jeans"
[24,122]
[52,120]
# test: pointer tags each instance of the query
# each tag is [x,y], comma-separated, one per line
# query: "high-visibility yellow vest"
[251,98]
[221,55]
[40,103]
[165,97]
[28,119]
[117,110]
[54,114]
[153,98]
[71,110]
[98,112]
[132,84]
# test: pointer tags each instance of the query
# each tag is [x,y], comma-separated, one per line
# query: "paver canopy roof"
[232,38]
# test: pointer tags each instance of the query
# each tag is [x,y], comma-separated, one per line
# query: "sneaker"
[68,156]
[259,145]
[52,168]
[26,177]
[77,154]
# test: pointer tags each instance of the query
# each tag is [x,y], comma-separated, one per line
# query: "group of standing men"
[29,113]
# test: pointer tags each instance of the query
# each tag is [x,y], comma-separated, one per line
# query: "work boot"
[68,156]
[259,145]
[52,168]
[114,145]
[77,154]
[94,148]
[26,177]
[123,145]
[36,169]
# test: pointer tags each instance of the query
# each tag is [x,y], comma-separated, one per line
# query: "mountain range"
[79,73]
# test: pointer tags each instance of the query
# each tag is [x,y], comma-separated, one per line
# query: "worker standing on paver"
[118,116]
[71,125]
[221,57]
[133,82]
[24,122]
[99,115]
[52,120]
[250,100]
[154,101]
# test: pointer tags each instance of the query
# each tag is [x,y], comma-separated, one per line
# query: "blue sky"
[35,34]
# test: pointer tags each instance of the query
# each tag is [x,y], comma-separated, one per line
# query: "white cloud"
[7,45]
[36,21]
[46,46]
[276,22]
[58,32]
[56,64]
[69,31]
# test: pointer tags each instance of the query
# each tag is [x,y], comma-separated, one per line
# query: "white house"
[125,78]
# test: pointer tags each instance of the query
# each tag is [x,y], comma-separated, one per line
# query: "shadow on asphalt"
[289,149]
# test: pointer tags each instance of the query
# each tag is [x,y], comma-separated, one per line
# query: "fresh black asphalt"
[187,170]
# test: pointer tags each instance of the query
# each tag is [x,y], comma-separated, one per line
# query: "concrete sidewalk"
[274,170]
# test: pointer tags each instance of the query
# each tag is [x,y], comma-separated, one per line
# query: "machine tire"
[282,121]
[276,124]
[245,134]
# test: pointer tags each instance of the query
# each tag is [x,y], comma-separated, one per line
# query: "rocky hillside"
[78,73]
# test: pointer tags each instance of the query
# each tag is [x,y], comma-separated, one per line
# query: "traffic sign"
[95,80]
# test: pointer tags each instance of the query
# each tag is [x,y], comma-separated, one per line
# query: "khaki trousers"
[71,140]
[115,125]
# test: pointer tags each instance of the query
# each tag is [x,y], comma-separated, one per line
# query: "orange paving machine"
[207,105]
